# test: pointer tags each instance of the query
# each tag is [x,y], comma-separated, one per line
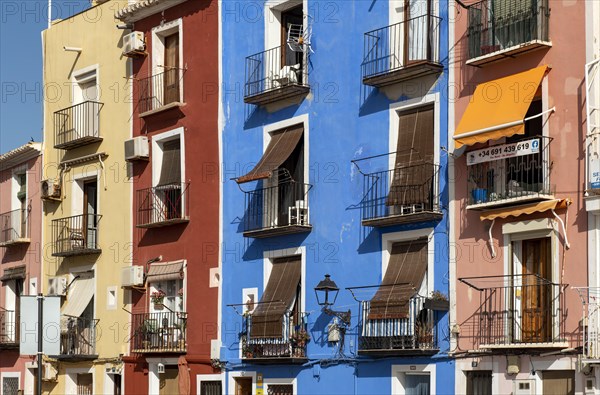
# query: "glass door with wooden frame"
[171,69]
[90,211]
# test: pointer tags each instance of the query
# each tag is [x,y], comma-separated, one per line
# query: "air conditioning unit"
[57,286]
[50,189]
[136,148]
[134,44]
[49,372]
[132,276]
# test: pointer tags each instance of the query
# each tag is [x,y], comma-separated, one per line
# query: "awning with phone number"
[498,108]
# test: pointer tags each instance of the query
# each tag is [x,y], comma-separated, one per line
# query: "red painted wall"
[196,241]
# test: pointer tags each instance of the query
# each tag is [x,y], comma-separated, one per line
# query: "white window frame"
[157,141]
[71,379]
[81,76]
[4,375]
[158,35]
[112,305]
[33,286]
[399,371]
[246,293]
[77,190]
[209,377]
[388,239]
[240,374]
[183,280]
[268,382]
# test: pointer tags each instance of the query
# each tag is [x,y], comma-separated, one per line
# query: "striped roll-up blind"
[277,299]
[280,148]
[413,170]
[170,171]
[165,271]
[402,279]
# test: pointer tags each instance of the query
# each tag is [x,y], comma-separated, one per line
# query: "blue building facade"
[334,122]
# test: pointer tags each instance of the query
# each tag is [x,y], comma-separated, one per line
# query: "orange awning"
[525,209]
[498,108]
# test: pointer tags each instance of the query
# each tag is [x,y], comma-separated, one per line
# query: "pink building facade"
[20,267]
[518,203]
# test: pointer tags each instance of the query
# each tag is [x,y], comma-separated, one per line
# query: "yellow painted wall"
[95,33]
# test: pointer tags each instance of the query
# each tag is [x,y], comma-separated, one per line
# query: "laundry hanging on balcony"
[498,108]
[277,299]
[527,209]
[402,280]
[280,148]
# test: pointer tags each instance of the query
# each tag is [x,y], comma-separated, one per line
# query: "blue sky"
[21,87]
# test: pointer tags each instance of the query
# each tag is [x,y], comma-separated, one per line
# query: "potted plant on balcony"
[157,298]
[148,330]
[438,301]
[299,339]
[424,333]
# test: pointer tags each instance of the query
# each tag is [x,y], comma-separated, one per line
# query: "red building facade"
[174,156]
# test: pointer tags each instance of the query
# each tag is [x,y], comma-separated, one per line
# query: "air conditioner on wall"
[136,148]
[57,286]
[132,276]
[50,189]
[134,44]
[49,372]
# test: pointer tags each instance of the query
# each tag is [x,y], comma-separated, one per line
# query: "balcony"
[509,174]
[403,51]
[77,339]
[77,125]
[9,329]
[504,29]
[269,80]
[517,312]
[160,92]
[159,332]
[590,299]
[163,205]
[14,228]
[407,194]
[76,235]
[277,210]
[290,348]
[412,335]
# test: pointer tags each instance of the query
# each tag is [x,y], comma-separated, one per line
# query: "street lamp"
[324,288]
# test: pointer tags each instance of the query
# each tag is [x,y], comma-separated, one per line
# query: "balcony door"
[290,186]
[417,25]
[90,211]
[171,67]
[293,59]
[535,291]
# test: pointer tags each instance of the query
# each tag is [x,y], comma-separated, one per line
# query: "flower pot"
[479,195]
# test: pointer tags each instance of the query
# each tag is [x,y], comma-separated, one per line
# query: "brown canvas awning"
[280,148]
[403,277]
[165,271]
[170,171]
[267,318]
[13,273]
[413,170]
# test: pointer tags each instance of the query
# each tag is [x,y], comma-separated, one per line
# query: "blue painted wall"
[347,121]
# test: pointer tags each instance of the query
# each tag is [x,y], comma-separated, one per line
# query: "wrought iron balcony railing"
[590,298]
[77,125]
[76,235]
[14,227]
[160,91]
[274,75]
[277,210]
[402,51]
[414,334]
[78,338]
[163,205]
[290,347]
[163,332]
[513,179]
[517,311]
[507,25]
[402,195]
[9,329]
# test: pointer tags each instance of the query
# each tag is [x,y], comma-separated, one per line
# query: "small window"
[172,300]
[10,385]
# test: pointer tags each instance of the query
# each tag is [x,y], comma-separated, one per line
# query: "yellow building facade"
[87,196]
